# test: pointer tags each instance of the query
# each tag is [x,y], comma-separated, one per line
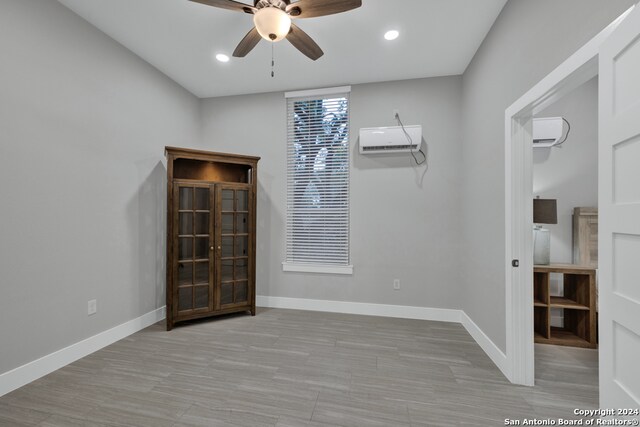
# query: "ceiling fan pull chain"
[272,62]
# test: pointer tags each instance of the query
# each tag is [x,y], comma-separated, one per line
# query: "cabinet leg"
[253,311]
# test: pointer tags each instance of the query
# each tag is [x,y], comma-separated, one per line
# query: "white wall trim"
[576,70]
[318,92]
[367,309]
[317,268]
[398,311]
[489,347]
[31,371]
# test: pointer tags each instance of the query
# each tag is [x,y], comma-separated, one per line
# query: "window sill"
[316,268]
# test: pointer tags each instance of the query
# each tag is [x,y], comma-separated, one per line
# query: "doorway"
[565,191]
[577,70]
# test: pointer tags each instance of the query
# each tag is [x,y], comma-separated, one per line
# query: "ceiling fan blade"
[313,8]
[247,43]
[305,44]
[228,4]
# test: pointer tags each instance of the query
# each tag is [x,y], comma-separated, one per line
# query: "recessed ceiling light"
[391,35]
[222,57]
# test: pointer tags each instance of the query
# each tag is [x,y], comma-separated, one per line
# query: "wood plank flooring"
[288,368]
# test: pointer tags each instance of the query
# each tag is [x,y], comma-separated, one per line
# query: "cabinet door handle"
[211,248]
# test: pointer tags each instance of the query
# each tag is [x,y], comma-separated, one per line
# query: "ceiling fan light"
[272,23]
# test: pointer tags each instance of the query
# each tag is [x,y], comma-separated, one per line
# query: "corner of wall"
[31,371]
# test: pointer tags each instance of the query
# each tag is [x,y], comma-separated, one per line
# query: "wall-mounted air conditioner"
[390,139]
[547,131]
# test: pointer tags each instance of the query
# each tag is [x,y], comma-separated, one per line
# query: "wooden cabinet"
[585,236]
[578,303]
[211,239]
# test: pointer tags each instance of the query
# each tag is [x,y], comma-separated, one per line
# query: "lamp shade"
[272,23]
[545,211]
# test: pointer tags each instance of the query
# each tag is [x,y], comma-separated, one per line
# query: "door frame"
[576,70]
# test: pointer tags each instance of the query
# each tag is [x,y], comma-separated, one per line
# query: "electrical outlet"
[92,307]
[396,113]
[396,284]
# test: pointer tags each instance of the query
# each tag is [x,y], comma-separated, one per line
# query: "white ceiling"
[181,39]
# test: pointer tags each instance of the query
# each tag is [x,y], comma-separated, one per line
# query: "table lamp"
[545,211]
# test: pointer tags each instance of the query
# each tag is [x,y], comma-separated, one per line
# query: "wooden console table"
[578,302]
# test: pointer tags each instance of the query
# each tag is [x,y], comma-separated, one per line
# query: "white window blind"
[318,180]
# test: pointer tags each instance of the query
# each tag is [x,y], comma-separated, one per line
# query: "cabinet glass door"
[234,202]
[193,278]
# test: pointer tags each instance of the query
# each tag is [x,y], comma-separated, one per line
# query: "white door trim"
[576,70]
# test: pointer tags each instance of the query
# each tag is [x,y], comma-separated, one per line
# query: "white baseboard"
[401,311]
[31,371]
[383,310]
[495,354]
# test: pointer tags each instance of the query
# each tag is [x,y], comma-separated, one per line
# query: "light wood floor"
[290,368]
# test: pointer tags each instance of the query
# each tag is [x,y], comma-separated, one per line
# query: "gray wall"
[83,123]
[528,40]
[404,220]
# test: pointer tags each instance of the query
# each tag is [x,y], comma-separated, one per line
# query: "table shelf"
[562,302]
[578,304]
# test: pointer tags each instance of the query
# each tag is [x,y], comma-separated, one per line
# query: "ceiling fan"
[272,20]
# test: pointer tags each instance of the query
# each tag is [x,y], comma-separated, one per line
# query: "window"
[318,181]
